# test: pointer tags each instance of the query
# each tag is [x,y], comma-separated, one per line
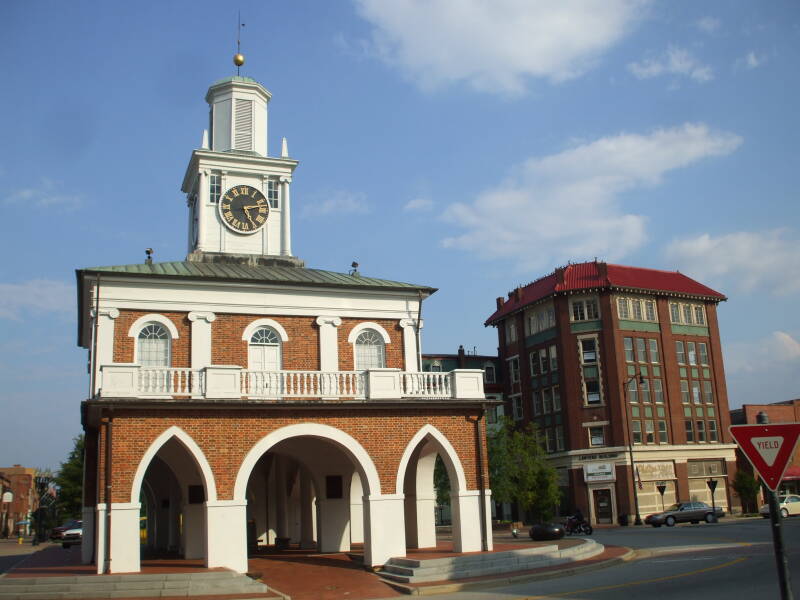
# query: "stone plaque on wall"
[655,471]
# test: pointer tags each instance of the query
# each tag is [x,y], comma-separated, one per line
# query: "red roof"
[594,275]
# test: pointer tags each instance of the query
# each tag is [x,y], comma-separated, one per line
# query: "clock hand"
[247,213]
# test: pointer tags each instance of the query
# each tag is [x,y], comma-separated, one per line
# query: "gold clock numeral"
[260,219]
[262,209]
[226,207]
[228,216]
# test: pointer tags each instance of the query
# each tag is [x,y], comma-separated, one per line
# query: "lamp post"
[629,434]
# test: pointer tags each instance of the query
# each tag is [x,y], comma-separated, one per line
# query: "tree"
[519,471]
[747,487]
[441,482]
[70,482]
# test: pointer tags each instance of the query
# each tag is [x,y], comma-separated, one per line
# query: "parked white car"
[789,505]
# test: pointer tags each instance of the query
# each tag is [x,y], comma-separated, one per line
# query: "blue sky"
[471,146]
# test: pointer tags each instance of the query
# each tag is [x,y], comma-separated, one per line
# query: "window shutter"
[243,133]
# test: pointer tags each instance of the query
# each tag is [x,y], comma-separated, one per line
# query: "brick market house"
[240,399]
[573,339]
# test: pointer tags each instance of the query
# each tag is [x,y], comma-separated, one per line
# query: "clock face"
[244,209]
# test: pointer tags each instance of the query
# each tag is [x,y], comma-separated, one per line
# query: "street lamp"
[629,434]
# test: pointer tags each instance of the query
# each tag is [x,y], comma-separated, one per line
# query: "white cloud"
[36,296]
[419,204]
[495,46]
[47,194]
[675,61]
[751,60]
[337,202]
[708,24]
[764,260]
[778,349]
[567,205]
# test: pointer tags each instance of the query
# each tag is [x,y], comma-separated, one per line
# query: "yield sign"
[769,448]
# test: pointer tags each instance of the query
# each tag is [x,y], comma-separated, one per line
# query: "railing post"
[467,384]
[383,384]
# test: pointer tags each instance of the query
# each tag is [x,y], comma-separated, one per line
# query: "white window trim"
[356,331]
[508,370]
[584,299]
[258,324]
[630,317]
[597,363]
[139,324]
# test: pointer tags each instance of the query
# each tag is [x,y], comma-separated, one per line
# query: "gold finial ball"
[238,59]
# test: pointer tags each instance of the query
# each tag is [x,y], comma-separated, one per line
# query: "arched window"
[153,346]
[370,350]
[264,352]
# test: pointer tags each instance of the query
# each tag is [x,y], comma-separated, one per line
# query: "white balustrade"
[167,381]
[227,381]
[427,384]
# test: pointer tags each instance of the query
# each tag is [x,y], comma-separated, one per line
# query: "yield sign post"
[769,449]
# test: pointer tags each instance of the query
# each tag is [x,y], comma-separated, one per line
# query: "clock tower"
[237,194]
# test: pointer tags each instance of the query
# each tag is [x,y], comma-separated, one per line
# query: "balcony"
[235,383]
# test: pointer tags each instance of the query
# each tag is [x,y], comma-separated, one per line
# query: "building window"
[633,391]
[699,315]
[703,353]
[662,432]
[153,346]
[264,350]
[684,391]
[541,319]
[559,438]
[543,360]
[712,431]
[513,369]
[489,375]
[654,356]
[516,407]
[436,367]
[708,394]
[585,310]
[701,431]
[491,415]
[534,361]
[547,401]
[691,352]
[272,193]
[649,310]
[645,383]
[658,392]
[637,432]
[687,313]
[553,358]
[628,343]
[556,399]
[596,436]
[689,431]
[649,431]
[550,440]
[636,309]
[641,352]
[370,351]
[214,188]
[679,351]
[696,392]
[537,404]
[511,331]
[589,350]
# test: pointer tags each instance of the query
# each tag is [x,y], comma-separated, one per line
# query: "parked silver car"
[685,512]
[789,505]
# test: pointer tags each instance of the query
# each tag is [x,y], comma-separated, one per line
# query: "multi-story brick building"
[240,399]
[613,362]
[786,411]
[20,486]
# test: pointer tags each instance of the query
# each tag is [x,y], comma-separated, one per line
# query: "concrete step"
[129,586]
[401,570]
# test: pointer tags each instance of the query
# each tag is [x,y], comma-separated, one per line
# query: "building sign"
[656,471]
[8,497]
[601,456]
[706,468]
[599,471]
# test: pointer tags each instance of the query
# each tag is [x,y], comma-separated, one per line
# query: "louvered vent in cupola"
[243,125]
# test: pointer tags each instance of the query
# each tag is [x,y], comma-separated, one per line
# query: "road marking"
[640,582]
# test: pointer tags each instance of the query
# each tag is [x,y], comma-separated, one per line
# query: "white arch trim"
[139,323]
[193,449]
[351,339]
[251,329]
[447,448]
[316,430]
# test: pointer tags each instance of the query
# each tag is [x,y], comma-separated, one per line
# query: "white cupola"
[238,115]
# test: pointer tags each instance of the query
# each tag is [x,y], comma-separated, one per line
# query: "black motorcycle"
[575,527]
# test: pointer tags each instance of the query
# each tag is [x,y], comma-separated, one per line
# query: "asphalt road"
[730,559]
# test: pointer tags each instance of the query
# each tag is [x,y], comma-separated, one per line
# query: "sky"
[468,145]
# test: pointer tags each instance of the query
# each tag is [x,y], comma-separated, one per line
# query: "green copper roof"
[260,274]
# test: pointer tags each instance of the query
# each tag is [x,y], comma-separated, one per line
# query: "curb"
[447,588]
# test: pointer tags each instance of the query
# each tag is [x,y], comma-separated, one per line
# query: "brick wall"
[226,437]
[124,345]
